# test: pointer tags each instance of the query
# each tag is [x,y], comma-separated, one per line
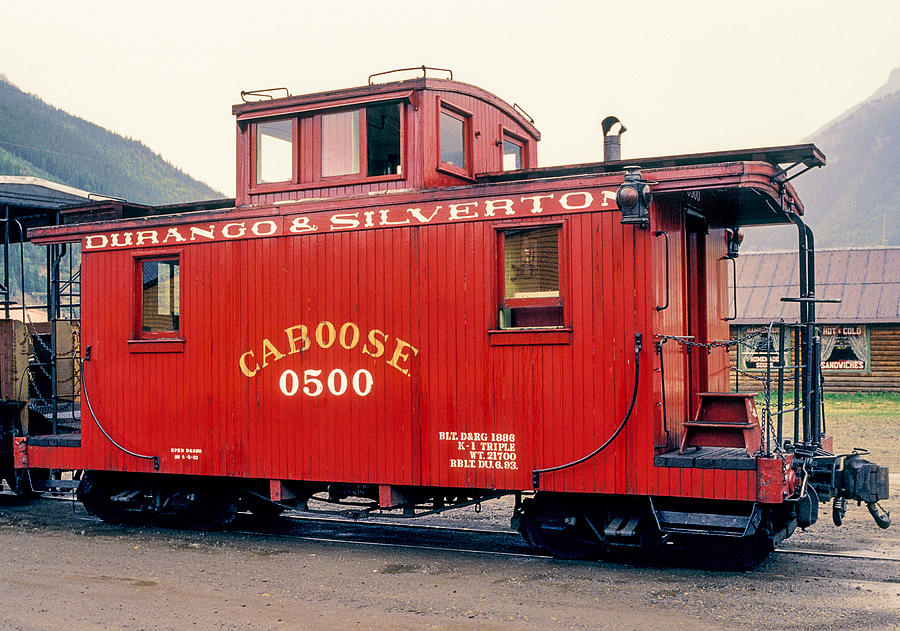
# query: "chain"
[749,375]
[750,341]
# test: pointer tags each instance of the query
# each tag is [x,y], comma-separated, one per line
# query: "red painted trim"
[676,179]
[532,302]
[138,295]
[524,337]
[166,345]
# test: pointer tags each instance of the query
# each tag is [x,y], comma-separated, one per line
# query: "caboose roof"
[736,188]
[807,154]
[405,90]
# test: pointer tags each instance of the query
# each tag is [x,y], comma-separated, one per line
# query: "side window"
[160,300]
[340,143]
[340,147]
[512,148]
[512,155]
[274,151]
[344,149]
[454,130]
[530,292]
[383,139]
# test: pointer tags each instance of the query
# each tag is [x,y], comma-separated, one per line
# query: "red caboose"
[402,307]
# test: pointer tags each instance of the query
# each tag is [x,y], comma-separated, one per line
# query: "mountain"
[855,199]
[39,140]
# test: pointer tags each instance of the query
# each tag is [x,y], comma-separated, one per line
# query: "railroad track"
[442,536]
[515,537]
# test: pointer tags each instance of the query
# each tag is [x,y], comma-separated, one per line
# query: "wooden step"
[724,419]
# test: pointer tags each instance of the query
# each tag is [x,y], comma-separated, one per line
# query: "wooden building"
[860,334]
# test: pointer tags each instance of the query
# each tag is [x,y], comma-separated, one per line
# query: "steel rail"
[377,524]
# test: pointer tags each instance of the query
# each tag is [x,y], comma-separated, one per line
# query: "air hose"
[536,473]
[87,399]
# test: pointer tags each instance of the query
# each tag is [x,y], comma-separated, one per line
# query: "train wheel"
[208,509]
[95,492]
[20,483]
[729,553]
[559,526]
[265,511]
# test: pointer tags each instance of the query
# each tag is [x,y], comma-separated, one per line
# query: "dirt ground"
[64,570]
[61,569]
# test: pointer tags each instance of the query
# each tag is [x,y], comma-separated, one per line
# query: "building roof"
[24,191]
[865,280]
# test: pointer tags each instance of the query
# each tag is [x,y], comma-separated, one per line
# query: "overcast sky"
[682,76]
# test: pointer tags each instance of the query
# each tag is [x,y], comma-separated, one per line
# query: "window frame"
[318,147]
[468,140]
[507,134]
[307,140]
[254,155]
[524,303]
[156,336]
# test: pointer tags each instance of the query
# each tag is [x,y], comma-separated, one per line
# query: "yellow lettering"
[206,234]
[342,338]
[293,339]
[257,230]
[564,200]
[243,364]
[269,350]
[173,233]
[301,224]
[89,243]
[498,204]
[146,235]
[463,211]
[386,222]
[344,221]
[536,201]
[401,355]
[320,340]
[368,215]
[241,230]
[378,345]
[417,213]
[114,240]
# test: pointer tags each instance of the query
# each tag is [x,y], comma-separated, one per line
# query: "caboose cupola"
[419,133]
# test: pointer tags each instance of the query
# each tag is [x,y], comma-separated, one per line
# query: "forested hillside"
[39,140]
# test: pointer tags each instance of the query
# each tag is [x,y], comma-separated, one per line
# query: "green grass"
[851,405]
[863,404]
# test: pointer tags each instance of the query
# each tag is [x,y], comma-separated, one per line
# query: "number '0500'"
[336,382]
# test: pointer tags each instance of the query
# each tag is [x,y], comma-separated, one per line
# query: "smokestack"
[612,144]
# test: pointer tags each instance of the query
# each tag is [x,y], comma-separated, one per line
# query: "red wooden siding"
[559,400]
[434,287]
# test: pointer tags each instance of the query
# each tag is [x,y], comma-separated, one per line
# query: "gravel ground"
[61,569]
[64,570]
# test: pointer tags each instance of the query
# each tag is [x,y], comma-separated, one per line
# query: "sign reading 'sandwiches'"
[485,209]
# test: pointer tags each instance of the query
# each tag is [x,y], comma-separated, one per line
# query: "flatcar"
[402,310]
